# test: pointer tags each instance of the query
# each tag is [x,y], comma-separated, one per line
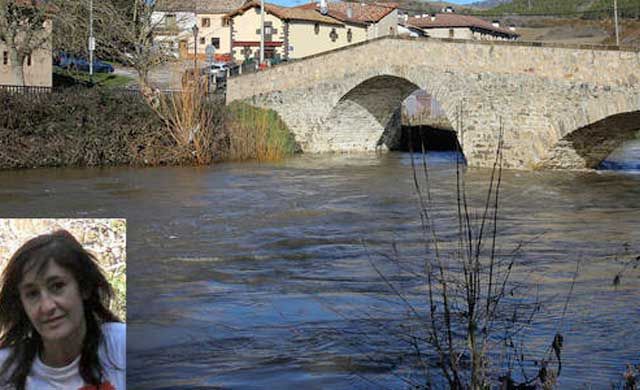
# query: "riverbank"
[77,127]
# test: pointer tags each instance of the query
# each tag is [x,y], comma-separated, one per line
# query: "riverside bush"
[79,127]
[257,134]
[101,127]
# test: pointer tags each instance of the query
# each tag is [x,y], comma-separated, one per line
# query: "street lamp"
[261,31]
[92,42]
[195,30]
[615,15]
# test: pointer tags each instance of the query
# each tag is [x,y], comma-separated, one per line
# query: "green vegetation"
[258,134]
[578,8]
[109,80]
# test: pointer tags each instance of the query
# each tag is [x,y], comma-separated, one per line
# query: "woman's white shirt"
[113,359]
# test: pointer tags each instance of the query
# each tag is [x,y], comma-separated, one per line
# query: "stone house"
[174,21]
[298,32]
[451,25]
[37,67]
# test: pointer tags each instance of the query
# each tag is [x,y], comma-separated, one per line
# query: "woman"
[56,331]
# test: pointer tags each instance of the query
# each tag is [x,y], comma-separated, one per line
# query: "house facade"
[298,32]
[37,68]
[174,21]
[451,25]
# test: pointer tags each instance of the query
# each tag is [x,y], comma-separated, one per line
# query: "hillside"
[422,6]
[578,8]
[489,3]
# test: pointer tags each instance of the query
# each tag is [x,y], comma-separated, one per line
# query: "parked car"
[218,69]
[68,62]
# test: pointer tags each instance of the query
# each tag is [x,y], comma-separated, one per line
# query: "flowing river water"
[245,275]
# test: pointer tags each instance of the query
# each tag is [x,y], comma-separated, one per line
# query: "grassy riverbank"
[105,127]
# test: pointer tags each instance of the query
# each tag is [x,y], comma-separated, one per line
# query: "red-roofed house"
[302,31]
[451,25]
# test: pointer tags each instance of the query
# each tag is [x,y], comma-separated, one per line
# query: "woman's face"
[52,300]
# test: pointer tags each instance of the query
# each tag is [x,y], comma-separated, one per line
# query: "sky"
[293,3]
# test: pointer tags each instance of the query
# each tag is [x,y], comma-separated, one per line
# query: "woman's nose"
[47,304]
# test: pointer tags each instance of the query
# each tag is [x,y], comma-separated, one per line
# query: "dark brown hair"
[17,332]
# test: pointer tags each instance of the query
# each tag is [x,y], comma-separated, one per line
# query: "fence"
[215,93]
[25,89]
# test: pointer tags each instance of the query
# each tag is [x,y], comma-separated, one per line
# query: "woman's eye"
[57,286]
[31,294]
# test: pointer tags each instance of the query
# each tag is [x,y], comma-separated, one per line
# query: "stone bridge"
[559,106]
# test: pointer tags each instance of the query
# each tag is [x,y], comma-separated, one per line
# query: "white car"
[219,69]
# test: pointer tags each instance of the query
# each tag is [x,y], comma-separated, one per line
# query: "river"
[256,276]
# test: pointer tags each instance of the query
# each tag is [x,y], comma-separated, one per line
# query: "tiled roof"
[287,13]
[175,5]
[270,8]
[199,6]
[360,12]
[450,20]
[310,15]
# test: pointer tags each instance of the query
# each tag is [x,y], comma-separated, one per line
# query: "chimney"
[496,23]
[349,11]
[425,15]
[433,17]
[323,7]
[512,27]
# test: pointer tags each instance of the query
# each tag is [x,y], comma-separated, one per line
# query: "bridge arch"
[366,114]
[587,146]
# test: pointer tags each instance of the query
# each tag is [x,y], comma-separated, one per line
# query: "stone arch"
[587,146]
[366,115]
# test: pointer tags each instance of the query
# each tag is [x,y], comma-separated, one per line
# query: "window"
[205,22]
[452,33]
[268,30]
[316,28]
[225,22]
[257,10]
[349,35]
[203,40]
[215,42]
[29,60]
[5,58]
[333,35]
[170,21]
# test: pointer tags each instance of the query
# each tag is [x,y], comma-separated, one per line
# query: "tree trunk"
[17,71]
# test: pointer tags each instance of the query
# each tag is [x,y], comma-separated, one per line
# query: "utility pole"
[615,15]
[195,30]
[92,42]
[261,32]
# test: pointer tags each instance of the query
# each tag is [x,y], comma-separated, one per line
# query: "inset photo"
[63,304]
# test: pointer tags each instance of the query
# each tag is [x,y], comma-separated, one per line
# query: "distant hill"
[588,8]
[417,6]
[489,3]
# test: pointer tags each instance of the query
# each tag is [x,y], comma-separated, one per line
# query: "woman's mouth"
[53,321]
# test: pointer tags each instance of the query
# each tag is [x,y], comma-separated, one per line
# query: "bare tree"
[25,28]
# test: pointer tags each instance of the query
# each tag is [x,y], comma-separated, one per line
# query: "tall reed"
[192,119]
[257,134]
